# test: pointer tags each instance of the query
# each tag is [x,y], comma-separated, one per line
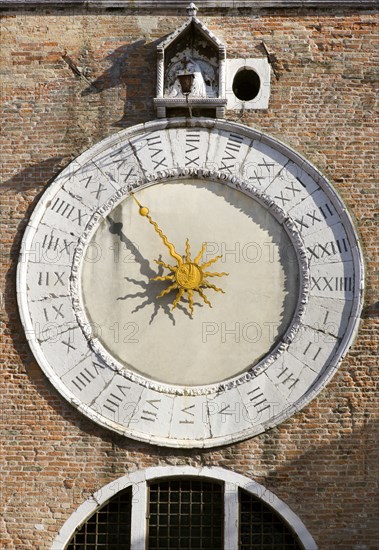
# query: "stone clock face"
[266,300]
[215,343]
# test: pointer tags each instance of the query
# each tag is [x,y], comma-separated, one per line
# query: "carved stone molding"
[289,188]
[174,174]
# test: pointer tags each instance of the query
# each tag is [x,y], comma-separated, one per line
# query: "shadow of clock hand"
[166,301]
[150,289]
[146,293]
[116,229]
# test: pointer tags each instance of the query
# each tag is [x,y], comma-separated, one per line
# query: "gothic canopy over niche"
[191,69]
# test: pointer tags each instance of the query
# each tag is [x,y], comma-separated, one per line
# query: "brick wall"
[322,461]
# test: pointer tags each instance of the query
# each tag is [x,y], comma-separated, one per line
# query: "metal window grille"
[108,528]
[186,514]
[261,528]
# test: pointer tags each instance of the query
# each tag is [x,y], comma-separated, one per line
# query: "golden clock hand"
[144,211]
[188,276]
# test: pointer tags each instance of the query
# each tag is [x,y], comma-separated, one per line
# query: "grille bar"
[108,528]
[186,514]
[261,528]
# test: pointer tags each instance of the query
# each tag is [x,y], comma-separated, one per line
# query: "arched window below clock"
[187,508]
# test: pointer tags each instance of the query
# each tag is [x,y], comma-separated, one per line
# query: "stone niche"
[191,71]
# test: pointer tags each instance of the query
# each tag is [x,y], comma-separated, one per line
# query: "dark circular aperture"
[246,84]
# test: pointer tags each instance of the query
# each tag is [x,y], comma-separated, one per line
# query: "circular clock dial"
[192,375]
[231,328]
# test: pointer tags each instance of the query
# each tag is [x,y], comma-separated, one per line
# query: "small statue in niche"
[202,83]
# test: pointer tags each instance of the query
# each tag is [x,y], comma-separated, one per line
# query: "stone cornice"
[181,4]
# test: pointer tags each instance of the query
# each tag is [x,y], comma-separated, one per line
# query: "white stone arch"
[138,481]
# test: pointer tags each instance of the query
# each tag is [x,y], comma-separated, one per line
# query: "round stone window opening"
[246,84]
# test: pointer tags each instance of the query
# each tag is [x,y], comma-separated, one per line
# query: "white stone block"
[50,246]
[153,413]
[120,164]
[119,400]
[291,377]
[328,245]
[331,315]
[190,419]
[227,414]
[63,348]
[314,212]
[333,280]
[87,379]
[262,164]
[66,212]
[313,348]
[261,67]
[189,146]
[153,151]
[263,400]
[91,185]
[227,152]
[50,281]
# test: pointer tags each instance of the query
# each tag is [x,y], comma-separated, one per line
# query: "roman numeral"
[326,210]
[232,147]
[332,283]
[344,283]
[150,414]
[50,242]
[282,198]
[155,147]
[285,376]
[131,169]
[301,182]
[86,376]
[55,311]
[267,165]
[188,411]
[225,411]
[63,208]
[310,218]
[256,177]
[69,345]
[87,180]
[319,281]
[192,148]
[119,162]
[257,398]
[100,188]
[328,249]
[47,277]
[113,402]
[131,172]
[310,348]
[292,188]
[308,222]
[66,210]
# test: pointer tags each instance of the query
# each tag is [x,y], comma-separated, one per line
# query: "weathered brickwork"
[322,462]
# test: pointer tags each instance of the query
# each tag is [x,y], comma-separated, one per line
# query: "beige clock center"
[169,345]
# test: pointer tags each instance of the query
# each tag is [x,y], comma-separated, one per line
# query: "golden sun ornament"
[188,276]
